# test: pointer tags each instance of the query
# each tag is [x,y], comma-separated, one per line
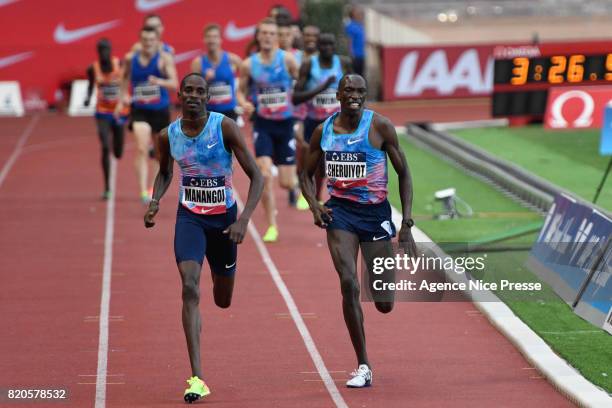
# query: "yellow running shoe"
[302,204]
[271,234]
[197,390]
[145,198]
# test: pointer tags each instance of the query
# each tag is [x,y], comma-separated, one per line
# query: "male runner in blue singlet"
[154,21]
[271,71]
[219,68]
[318,84]
[149,74]
[355,144]
[203,145]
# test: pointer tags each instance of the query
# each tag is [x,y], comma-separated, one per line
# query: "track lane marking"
[315,356]
[101,374]
[23,138]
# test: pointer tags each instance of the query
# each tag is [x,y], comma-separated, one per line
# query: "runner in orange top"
[106,74]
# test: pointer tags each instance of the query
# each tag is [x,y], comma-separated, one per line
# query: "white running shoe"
[362,377]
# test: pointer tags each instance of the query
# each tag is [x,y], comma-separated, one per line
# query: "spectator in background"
[355,32]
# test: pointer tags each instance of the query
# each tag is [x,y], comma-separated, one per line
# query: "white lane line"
[106,285]
[18,148]
[295,315]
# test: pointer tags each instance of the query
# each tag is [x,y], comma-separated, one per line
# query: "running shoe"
[362,377]
[106,195]
[145,197]
[271,234]
[197,390]
[302,204]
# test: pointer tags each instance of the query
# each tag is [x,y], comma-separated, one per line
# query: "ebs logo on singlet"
[207,194]
[346,169]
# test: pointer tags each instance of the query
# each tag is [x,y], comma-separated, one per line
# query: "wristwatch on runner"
[409,222]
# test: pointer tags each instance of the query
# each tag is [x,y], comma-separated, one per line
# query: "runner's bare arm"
[391,145]
[90,86]
[235,62]
[196,65]
[300,95]
[168,67]
[321,214]
[233,139]
[163,178]
[292,66]
[125,83]
[241,95]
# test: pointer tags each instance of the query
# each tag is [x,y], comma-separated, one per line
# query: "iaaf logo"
[436,74]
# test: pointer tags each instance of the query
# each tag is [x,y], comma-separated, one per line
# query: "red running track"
[51,243]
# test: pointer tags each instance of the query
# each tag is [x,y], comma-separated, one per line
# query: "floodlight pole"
[603,181]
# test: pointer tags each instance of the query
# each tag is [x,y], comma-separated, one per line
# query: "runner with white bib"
[149,74]
[318,84]
[203,145]
[271,72]
[105,75]
[355,144]
[219,68]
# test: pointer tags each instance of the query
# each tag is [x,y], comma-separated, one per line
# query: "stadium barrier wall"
[573,254]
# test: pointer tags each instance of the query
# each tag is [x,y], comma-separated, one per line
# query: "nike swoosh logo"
[7,2]
[186,56]
[379,238]
[64,36]
[234,33]
[15,58]
[150,5]
[229,266]
[210,146]
[203,211]
[351,141]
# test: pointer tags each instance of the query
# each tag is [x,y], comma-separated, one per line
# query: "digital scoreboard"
[524,73]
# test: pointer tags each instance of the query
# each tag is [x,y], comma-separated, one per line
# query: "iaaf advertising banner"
[45,43]
[437,72]
[573,254]
[577,107]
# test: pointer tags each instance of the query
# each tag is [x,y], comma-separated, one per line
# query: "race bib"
[109,92]
[219,93]
[326,101]
[273,99]
[147,93]
[204,195]
[346,170]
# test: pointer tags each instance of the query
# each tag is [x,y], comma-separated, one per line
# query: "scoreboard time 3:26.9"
[523,74]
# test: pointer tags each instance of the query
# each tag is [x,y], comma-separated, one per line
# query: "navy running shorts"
[157,119]
[370,222]
[275,139]
[309,127]
[197,236]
